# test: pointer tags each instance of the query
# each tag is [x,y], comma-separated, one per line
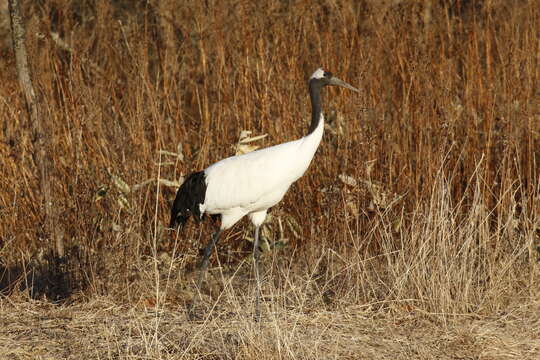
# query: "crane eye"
[327,74]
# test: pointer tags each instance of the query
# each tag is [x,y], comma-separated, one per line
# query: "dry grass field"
[414,234]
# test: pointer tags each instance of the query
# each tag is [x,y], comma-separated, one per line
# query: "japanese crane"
[249,184]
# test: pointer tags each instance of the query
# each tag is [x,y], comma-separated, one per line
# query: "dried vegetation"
[414,234]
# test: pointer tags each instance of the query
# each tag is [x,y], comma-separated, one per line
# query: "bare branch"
[36,118]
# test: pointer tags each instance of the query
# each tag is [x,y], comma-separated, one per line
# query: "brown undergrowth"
[422,203]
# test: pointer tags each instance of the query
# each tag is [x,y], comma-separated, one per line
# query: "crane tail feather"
[189,197]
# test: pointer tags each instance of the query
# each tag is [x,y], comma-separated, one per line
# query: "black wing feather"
[188,198]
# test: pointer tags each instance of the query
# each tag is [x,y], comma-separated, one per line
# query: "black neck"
[315,87]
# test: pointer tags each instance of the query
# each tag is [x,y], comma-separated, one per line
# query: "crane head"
[323,78]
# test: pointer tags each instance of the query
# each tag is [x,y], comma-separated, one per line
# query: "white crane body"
[253,182]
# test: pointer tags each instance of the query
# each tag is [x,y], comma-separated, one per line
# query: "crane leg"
[256,256]
[202,269]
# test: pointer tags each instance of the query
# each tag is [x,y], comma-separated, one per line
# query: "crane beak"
[338,82]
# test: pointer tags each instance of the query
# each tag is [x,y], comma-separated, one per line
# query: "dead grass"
[414,234]
[104,330]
